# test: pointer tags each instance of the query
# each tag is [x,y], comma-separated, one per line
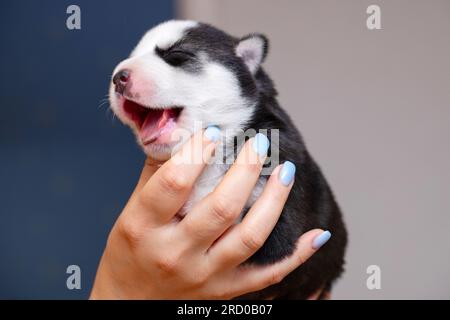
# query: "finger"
[169,187]
[214,214]
[253,278]
[150,167]
[247,237]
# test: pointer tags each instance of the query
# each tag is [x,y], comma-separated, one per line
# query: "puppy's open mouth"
[152,123]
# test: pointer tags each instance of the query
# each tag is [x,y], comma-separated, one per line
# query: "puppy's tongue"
[156,121]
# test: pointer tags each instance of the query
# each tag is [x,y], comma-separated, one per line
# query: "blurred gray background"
[374,109]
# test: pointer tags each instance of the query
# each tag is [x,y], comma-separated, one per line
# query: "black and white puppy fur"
[185,72]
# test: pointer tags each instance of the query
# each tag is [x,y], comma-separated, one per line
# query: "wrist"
[104,287]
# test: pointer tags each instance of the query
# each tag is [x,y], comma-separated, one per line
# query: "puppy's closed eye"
[175,57]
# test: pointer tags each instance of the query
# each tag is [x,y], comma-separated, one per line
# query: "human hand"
[151,254]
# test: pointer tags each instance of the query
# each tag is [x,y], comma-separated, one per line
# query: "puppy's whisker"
[111,113]
[103,102]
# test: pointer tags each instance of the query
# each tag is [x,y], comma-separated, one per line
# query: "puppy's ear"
[253,50]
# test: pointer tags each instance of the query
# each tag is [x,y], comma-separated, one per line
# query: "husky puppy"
[183,73]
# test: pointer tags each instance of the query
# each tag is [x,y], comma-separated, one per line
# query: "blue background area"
[66,167]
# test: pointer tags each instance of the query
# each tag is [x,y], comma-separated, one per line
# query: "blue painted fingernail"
[261,144]
[287,173]
[321,239]
[212,133]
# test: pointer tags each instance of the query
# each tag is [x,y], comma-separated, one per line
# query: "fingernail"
[287,173]
[321,239]
[261,144]
[212,133]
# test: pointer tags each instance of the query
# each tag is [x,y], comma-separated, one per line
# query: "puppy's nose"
[120,80]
